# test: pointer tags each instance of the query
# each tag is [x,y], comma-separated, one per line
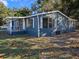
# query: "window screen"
[47,22]
[30,23]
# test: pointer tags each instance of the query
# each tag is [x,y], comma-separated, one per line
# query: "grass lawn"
[16,48]
[64,46]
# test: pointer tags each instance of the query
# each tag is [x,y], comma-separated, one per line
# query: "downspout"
[38,27]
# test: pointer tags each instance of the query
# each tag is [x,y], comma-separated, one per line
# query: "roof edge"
[38,15]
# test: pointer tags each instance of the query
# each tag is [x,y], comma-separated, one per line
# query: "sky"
[17,3]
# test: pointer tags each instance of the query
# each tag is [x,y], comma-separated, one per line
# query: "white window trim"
[50,22]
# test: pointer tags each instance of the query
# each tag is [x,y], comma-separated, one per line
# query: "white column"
[55,23]
[74,24]
[7,23]
[33,22]
[11,26]
[23,24]
[70,24]
[41,26]
[38,26]
[26,22]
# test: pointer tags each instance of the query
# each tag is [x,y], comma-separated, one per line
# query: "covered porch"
[19,24]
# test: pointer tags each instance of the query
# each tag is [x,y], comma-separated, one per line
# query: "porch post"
[23,24]
[70,24]
[27,22]
[41,26]
[55,23]
[38,26]
[73,23]
[33,22]
[11,26]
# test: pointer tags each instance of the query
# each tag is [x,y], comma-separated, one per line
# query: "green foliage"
[4,12]
[22,12]
[68,7]
[46,5]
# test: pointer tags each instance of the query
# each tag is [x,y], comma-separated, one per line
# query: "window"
[30,23]
[48,22]
[17,25]
[26,22]
[45,22]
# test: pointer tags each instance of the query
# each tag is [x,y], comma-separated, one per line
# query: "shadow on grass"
[4,35]
[19,51]
[66,36]
[35,52]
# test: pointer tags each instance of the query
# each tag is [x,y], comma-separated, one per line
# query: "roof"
[39,14]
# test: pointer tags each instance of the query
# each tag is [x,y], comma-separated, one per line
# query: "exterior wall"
[66,24]
[61,24]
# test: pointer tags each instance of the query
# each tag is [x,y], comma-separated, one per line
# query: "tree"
[35,7]
[4,11]
[68,7]
[22,12]
[47,5]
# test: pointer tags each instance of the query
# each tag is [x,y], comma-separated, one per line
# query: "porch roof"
[32,15]
[38,15]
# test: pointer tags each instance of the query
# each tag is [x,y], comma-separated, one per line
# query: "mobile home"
[41,24]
